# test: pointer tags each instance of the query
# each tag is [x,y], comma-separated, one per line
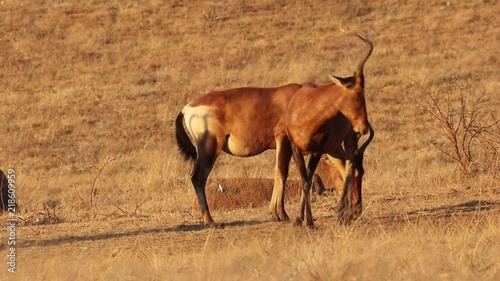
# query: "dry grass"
[82,82]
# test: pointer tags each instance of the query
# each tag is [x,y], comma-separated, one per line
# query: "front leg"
[298,158]
[345,204]
[346,212]
[311,168]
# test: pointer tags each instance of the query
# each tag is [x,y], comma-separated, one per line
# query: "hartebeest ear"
[346,82]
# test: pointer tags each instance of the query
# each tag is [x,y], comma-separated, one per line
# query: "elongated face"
[354,107]
[360,120]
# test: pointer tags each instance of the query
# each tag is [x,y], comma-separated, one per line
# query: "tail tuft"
[186,148]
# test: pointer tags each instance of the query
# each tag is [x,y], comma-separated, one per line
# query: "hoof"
[357,212]
[208,221]
[213,224]
[275,217]
[311,226]
[282,217]
[345,219]
[217,225]
[297,222]
[285,217]
[310,223]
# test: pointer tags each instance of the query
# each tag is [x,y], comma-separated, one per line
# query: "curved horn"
[361,64]
[361,150]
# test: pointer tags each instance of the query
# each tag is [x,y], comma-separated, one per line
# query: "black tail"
[4,192]
[186,148]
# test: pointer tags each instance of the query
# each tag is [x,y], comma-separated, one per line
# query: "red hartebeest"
[333,172]
[242,122]
[316,121]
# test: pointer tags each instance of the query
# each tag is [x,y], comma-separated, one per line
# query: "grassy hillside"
[90,90]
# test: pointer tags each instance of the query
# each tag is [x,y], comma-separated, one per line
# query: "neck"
[328,105]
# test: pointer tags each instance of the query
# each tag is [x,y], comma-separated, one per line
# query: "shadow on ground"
[105,236]
[467,208]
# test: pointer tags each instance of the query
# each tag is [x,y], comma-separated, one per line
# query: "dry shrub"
[471,133]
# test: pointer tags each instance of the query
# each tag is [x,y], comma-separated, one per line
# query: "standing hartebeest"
[316,120]
[242,122]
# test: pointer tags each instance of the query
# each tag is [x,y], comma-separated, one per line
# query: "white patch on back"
[198,120]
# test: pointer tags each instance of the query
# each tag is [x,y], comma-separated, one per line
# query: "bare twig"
[94,188]
[79,196]
[116,205]
[137,206]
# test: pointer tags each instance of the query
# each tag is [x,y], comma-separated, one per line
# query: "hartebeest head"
[352,105]
[355,100]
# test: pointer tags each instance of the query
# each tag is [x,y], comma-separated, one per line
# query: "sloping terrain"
[90,90]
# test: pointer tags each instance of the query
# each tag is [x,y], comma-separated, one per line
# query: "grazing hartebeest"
[316,120]
[333,172]
[329,176]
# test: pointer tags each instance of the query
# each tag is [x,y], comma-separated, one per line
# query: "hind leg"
[208,151]
[283,155]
